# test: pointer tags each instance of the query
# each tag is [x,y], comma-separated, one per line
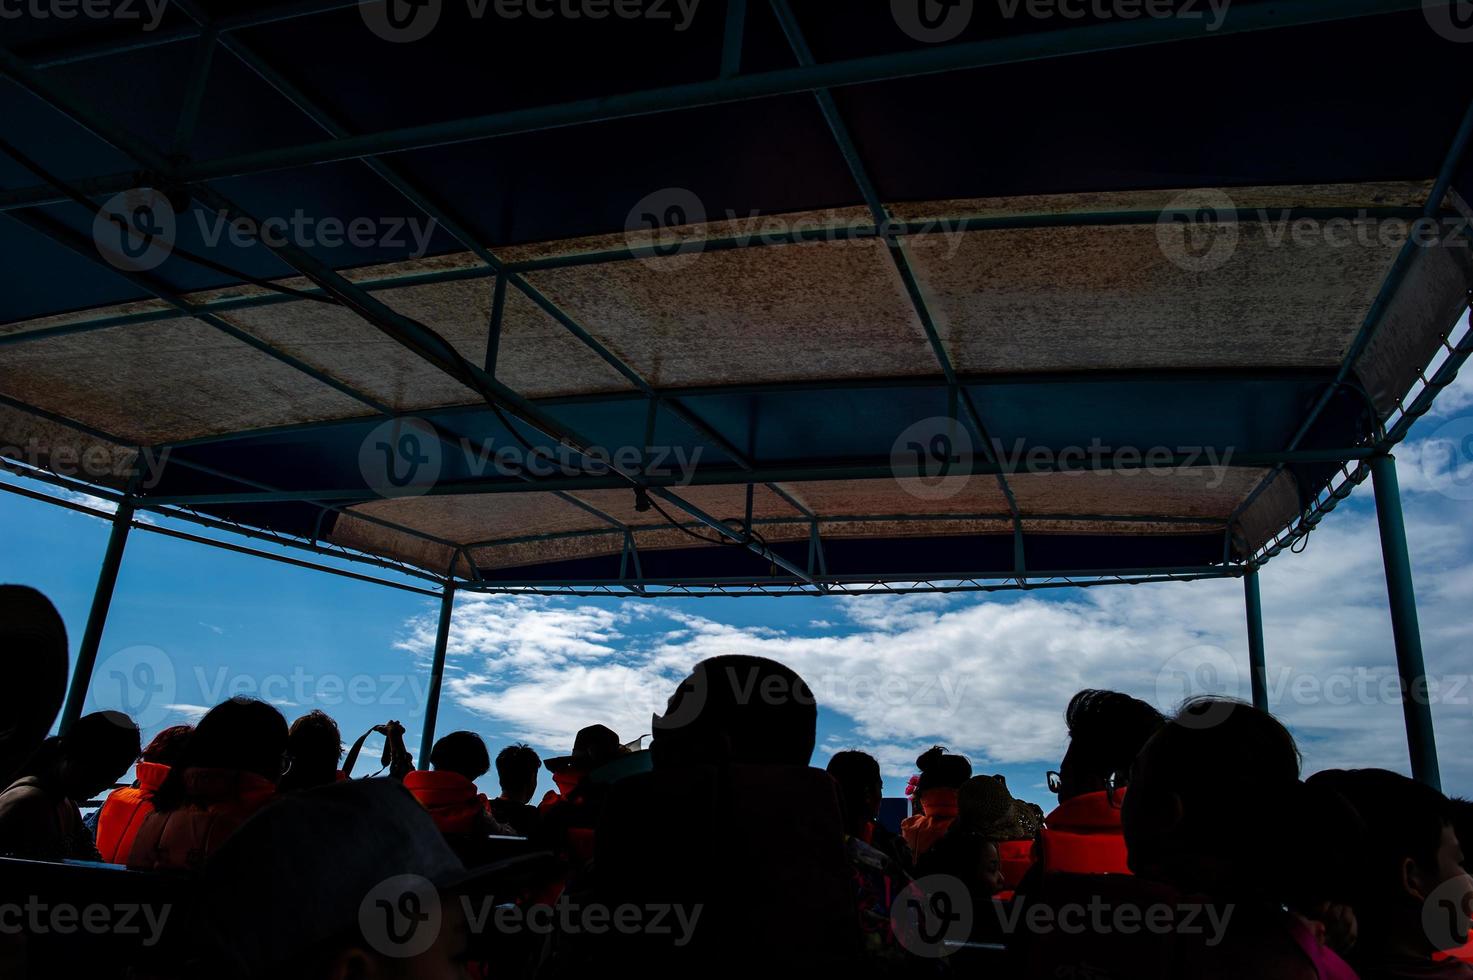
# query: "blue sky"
[987,676]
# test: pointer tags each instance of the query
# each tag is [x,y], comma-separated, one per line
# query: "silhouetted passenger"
[230,769]
[125,809]
[861,790]
[567,817]
[449,792]
[39,813]
[517,767]
[33,654]
[1106,732]
[1204,816]
[1327,851]
[351,880]
[879,860]
[1415,894]
[314,747]
[734,828]
[986,808]
[942,774]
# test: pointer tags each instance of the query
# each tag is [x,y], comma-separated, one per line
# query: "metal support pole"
[102,599]
[437,674]
[1256,669]
[1408,637]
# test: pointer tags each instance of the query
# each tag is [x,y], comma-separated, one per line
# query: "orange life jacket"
[217,802]
[1015,857]
[124,810]
[1083,836]
[451,799]
[938,811]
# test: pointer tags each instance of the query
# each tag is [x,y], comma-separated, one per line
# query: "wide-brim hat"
[592,747]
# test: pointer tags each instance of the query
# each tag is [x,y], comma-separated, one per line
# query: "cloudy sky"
[986,676]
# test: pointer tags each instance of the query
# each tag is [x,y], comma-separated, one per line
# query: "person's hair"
[1106,732]
[737,709]
[1462,813]
[315,746]
[1206,792]
[517,765]
[856,774]
[244,734]
[1403,819]
[941,769]
[167,747]
[1326,841]
[462,752]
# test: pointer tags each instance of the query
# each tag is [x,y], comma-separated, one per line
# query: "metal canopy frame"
[730,85]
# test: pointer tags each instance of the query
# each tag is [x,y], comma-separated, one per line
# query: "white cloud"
[990,676]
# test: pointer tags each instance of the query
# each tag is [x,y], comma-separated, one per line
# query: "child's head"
[1415,891]
[462,752]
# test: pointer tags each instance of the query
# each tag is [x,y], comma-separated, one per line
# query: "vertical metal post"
[102,598]
[437,674]
[1415,705]
[1257,672]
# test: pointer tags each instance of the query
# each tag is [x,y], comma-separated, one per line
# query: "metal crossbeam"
[732,476]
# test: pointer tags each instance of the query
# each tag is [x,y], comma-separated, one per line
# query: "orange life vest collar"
[1087,813]
[939,801]
[151,776]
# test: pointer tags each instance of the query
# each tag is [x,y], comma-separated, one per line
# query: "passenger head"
[967,855]
[1327,844]
[737,709]
[167,747]
[942,770]
[1106,732]
[94,754]
[462,752]
[242,734]
[1416,893]
[351,880]
[314,746]
[516,769]
[1206,798]
[34,642]
[861,789]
